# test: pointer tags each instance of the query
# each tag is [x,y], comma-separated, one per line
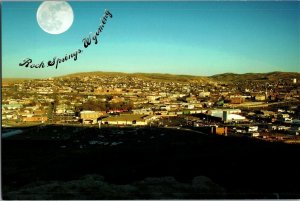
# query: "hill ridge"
[223,77]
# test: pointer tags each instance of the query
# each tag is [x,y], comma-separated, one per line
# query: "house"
[237,100]
[204,94]
[266,113]
[35,119]
[152,98]
[284,118]
[260,97]
[252,128]
[12,106]
[143,111]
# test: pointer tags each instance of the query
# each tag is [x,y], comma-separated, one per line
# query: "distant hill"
[225,77]
[232,77]
[95,73]
[148,76]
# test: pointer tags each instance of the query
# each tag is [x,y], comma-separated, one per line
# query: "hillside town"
[264,109]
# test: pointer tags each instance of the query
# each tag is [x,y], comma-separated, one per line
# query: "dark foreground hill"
[59,162]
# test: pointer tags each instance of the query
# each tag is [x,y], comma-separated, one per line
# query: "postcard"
[129,100]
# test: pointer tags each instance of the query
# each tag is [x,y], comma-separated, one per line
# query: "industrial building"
[90,117]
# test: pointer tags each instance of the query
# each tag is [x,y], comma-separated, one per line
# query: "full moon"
[55,17]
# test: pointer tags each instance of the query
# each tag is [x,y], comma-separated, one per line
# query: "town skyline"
[155,73]
[190,38]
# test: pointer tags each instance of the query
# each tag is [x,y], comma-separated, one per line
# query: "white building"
[129,119]
[227,115]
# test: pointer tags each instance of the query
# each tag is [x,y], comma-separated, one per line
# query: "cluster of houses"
[152,99]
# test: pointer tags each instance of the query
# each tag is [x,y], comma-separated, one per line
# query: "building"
[237,100]
[101,90]
[204,94]
[143,111]
[219,112]
[128,119]
[35,119]
[219,130]
[260,97]
[253,129]
[12,106]
[284,118]
[227,117]
[90,117]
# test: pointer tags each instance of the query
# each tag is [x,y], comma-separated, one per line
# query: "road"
[186,129]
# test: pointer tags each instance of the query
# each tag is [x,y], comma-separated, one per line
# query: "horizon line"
[69,74]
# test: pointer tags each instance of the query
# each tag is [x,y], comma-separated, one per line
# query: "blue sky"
[195,38]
